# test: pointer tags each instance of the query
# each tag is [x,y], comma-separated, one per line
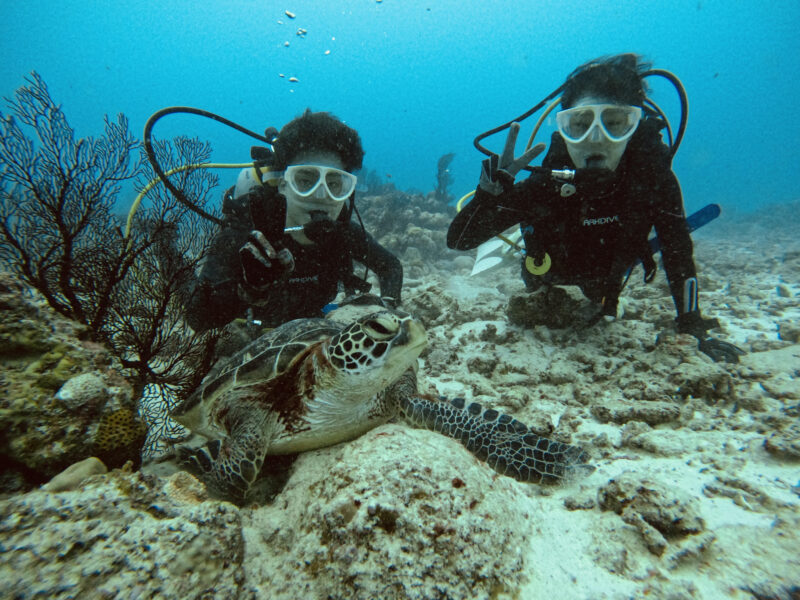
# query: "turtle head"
[384,343]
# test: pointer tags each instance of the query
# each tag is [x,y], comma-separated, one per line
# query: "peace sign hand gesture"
[498,172]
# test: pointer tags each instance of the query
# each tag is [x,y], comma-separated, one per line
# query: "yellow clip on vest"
[540,269]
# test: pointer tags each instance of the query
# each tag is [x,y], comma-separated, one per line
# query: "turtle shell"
[261,360]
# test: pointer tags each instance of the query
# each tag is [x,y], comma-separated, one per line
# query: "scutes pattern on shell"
[266,357]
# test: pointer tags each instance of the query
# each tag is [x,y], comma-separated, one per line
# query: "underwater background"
[420,79]
[695,492]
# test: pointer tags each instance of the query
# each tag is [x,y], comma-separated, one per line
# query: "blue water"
[418,78]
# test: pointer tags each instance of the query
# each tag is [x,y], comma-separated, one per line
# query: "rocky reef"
[122,535]
[413,227]
[695,492]
[387,517]
[63,397]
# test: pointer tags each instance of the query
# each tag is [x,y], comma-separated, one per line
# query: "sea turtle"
[312,383]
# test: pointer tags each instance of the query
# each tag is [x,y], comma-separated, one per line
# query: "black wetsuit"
[221,294]
[595,235]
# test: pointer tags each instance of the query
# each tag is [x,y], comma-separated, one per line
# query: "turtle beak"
[412,334]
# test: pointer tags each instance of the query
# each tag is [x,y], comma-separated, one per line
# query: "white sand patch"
[704,430]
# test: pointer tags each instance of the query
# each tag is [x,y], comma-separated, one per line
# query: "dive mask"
[305,180]
[617,121]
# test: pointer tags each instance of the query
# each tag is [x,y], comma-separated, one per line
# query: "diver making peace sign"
[605,182]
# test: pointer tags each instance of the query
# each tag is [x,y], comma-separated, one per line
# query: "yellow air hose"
[153,182]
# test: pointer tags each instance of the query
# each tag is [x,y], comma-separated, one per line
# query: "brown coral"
[119,437]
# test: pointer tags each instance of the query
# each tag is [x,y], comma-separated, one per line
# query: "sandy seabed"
[695,493]
[674,435]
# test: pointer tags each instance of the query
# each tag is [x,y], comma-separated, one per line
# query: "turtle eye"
[380,328]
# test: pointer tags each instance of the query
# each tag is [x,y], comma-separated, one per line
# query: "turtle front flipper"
[507,445]
[229,466]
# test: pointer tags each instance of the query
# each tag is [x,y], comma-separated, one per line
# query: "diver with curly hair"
[605,182]
[287,246]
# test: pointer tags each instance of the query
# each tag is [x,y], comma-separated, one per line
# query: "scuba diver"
[287,245]
[586,213]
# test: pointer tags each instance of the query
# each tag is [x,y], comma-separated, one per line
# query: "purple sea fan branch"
[56,200]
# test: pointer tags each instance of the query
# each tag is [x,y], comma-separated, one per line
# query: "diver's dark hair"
[320,131]
[617,78]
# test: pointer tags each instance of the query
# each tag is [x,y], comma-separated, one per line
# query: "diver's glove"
[322,230]
[719,350]
[692,323]
[498,172]
[262,265]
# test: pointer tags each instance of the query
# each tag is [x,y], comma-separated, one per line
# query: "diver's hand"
[261,263]
[719,350]
[693,324]
[498,172]
[322,230]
